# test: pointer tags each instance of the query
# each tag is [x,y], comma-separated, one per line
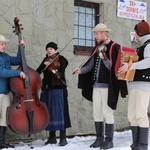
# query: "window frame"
[86,50]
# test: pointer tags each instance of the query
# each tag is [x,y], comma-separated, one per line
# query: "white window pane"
[89,33]
[93,11]
[89,20]
[89,43]
[89,10]
[76,42]
[82,42]
[93,43]
[76,31]
[81,32]
[82,19]
[82,9]
[76,18]
[76,8]
[93,22]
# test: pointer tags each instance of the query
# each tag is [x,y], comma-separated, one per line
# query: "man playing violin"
[54,93]
[104,83]
[5,73]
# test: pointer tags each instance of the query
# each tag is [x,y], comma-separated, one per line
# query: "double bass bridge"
[29,100]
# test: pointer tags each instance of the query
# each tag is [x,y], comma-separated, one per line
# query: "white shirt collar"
[144,38]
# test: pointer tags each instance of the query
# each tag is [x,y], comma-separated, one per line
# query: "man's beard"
[101,42]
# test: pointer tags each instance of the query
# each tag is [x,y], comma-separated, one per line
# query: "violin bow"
[100,48]
[59,52]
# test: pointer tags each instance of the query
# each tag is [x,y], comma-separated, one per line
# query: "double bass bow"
[27,114]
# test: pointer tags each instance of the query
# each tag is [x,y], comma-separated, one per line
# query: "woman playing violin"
[54,93]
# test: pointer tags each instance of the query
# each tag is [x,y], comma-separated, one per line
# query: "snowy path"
[122,141]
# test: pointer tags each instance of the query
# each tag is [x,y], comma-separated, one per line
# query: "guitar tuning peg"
[21,28]
[20,24]
[14,31]
[13,27]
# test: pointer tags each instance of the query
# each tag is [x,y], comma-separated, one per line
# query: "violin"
[55,58]
[54,62]
[54,66]
[103,50]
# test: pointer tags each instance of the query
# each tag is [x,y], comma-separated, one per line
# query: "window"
[86,16]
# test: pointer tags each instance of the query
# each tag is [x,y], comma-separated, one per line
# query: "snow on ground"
[122,141]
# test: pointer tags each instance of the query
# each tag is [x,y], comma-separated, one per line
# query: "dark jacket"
[51,80]
[115,86]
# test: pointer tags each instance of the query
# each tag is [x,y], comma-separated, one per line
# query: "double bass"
[27,114]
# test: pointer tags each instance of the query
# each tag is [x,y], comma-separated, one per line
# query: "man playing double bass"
[5,73]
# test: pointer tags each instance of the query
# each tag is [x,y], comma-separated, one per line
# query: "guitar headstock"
[17,28]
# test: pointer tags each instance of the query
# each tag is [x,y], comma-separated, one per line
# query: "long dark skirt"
[66,109]
[54,100]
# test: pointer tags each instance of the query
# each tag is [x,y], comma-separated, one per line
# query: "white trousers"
[138,107]
[101,110]
[4,103]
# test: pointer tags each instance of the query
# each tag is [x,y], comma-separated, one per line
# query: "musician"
[5,73]
[54,93]
[99,83]
[139,94]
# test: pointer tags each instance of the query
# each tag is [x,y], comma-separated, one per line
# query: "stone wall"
[53,20]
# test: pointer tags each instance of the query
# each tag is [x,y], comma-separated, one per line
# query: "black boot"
[135,135]
[52,138]
[2,138]
[63,140]
[99,127]
[109,131]
[143,139]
